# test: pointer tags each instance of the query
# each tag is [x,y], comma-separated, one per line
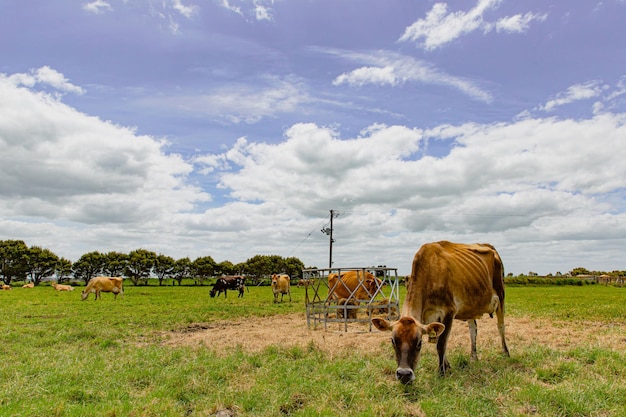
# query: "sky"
[232,128]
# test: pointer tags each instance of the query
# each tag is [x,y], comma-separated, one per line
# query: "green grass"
[64,357]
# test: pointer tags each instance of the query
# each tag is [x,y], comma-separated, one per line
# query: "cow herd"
[96,285]
[448,281]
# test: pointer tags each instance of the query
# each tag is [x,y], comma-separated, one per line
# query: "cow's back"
[462,278]
[350,284]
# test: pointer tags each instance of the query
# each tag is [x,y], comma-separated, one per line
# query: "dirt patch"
[257,333]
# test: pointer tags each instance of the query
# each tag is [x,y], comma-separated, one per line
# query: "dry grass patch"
[257,333]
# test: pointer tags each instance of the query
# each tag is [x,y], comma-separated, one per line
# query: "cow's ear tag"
[432,336]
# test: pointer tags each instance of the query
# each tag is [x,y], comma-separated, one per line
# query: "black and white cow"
[232,282]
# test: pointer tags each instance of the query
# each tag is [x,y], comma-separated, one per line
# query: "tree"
[182,269]
[63,269]
[13,260]
[88,266]
[139,266]
[264,265]
[204,267]
[225,268]
[164,267]
[579,271]
[114,263]
[293,267]
[41,263]
[257,267]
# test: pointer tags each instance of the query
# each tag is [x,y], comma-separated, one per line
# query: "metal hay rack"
[324,307]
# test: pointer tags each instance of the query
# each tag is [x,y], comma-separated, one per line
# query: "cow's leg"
[442,343]
[473,331]
[500,317]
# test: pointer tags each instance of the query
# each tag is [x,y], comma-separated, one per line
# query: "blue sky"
[231,128]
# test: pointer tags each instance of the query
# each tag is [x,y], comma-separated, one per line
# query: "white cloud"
[263,9]
[243,103]
[439,27]
[235,9]
[46,76]
[74,183]
[59,164]
[577,92]
[535,180]
[97,7]
[518,23]
[386,68]
[186,11]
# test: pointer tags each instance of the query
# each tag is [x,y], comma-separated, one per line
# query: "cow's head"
[406,338]
[83,295]
[212,292]
[372,285]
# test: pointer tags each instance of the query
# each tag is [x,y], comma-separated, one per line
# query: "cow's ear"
[433,330]
[381,324]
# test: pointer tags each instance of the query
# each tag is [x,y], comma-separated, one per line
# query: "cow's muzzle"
[405,375]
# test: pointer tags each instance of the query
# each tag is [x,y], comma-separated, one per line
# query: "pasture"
[174,351]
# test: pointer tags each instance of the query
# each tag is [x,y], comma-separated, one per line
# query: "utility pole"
[329,232]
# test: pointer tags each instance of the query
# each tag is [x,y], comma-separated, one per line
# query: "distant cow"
[62,287]
[353,285]
[234,282]
[29,285]
[304,282]
[281,284]
[99,285]
[6,287]
[448,281]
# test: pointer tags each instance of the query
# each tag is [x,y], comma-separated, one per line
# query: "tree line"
[19,262]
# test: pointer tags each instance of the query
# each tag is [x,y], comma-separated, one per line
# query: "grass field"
[64,357]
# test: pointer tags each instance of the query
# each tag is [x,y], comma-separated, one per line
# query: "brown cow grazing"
[99,285]
[29,285]
[353,285]
[62,287]
[281,284]
[448,281]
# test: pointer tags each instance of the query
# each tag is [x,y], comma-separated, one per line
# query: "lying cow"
[235,282]
[353,285]
[29,285]
[281,284]
[62,287]
[448,281]
[6,287]
[99,285]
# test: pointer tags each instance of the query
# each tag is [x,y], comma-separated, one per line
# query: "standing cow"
[235,282]
[99,285]
[448,281]
[281,284]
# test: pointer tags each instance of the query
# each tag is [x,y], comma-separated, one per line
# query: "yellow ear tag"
[432,336]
